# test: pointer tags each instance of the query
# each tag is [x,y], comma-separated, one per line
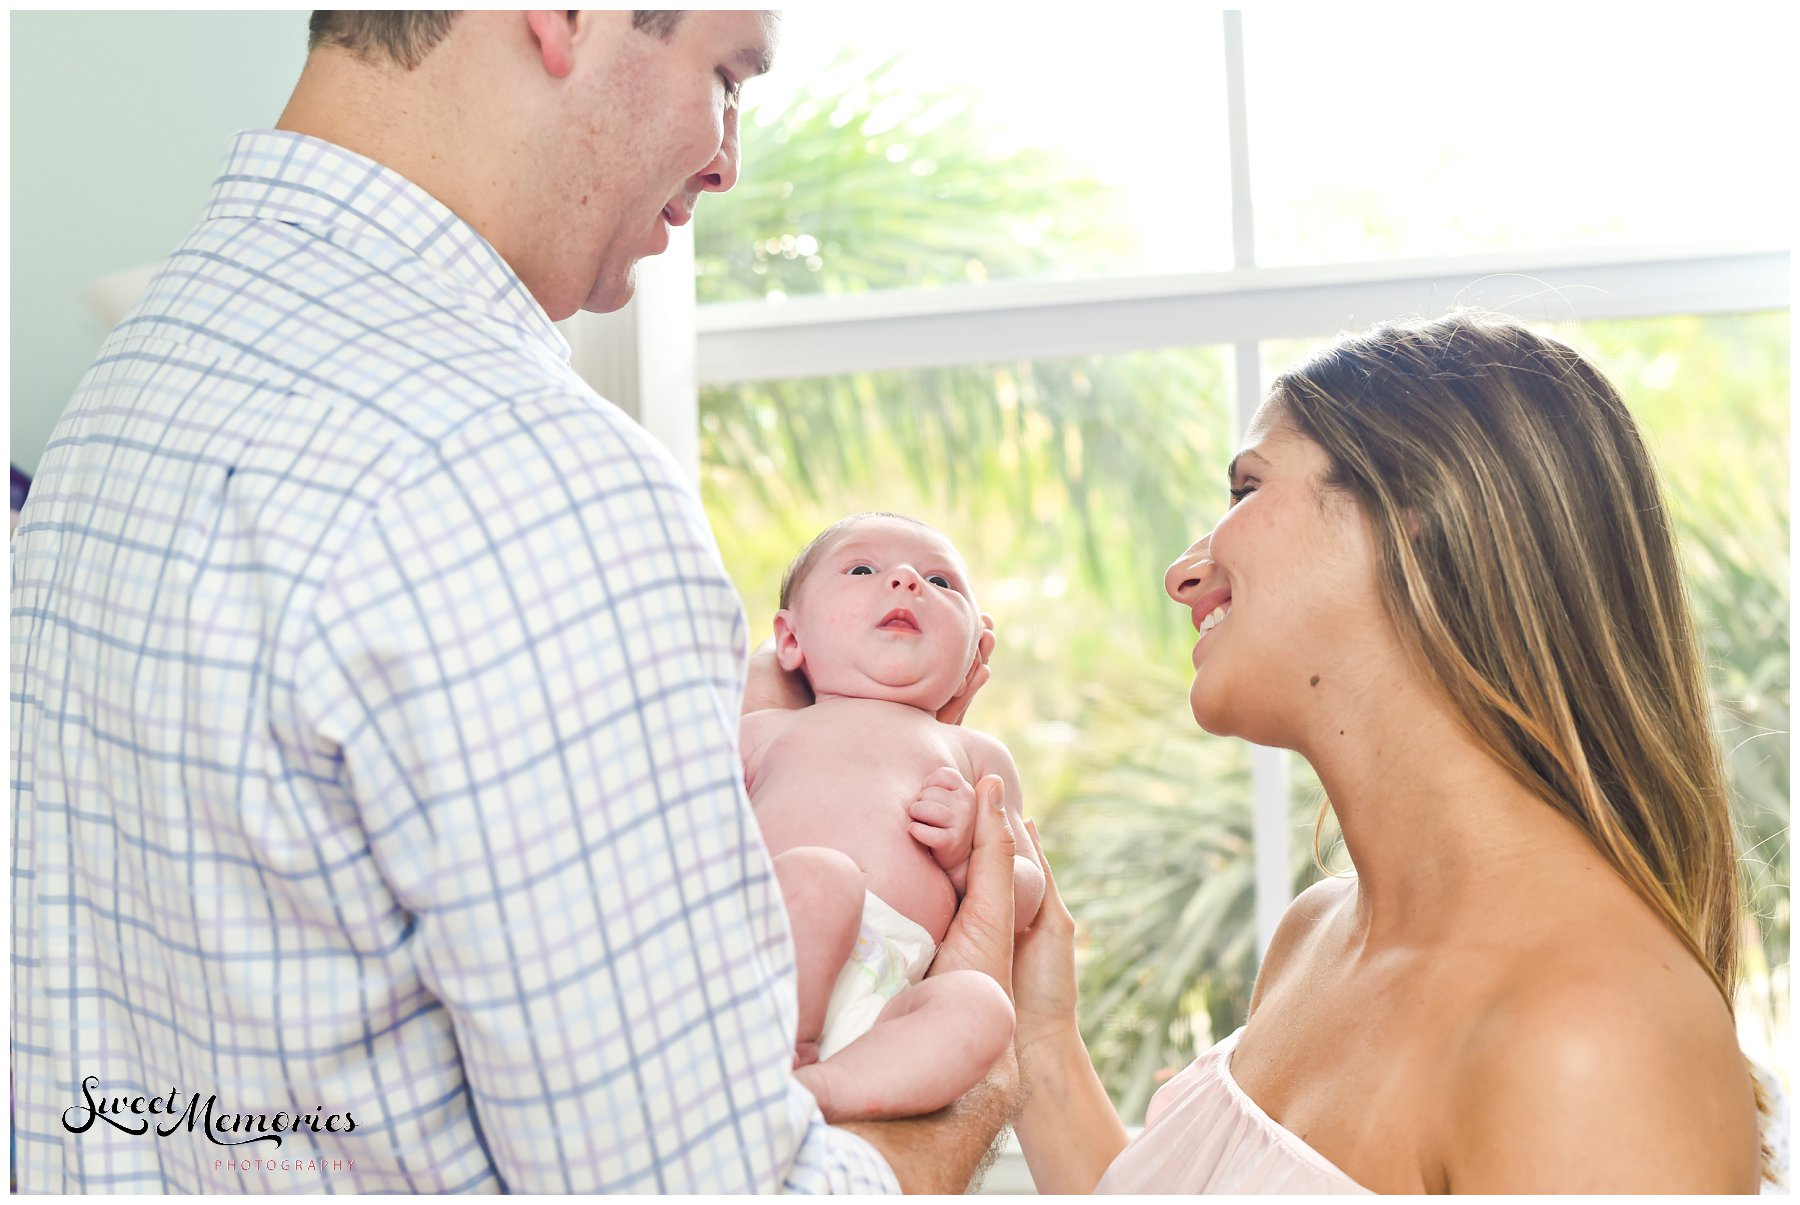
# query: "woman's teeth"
[1212,620]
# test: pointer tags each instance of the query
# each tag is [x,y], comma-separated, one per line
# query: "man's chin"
[611,294]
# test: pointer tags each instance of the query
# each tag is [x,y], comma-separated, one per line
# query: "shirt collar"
[289,177]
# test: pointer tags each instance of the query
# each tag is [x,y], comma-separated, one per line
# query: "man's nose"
[906,578]
[1183,577]
[721,175]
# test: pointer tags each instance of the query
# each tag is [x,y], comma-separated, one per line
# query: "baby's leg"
[933,1042]
[823,889]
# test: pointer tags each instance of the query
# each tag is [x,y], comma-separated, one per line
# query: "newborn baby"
[865,801]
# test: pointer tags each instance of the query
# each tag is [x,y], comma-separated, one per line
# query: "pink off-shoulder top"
[1203,1134]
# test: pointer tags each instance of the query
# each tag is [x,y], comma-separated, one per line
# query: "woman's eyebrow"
[1247,454]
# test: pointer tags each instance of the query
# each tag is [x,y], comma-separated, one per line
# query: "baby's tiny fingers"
[948,778]
[948,799]
[929,811]
[931,835]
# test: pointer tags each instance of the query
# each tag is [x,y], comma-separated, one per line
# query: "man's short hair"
[405,37]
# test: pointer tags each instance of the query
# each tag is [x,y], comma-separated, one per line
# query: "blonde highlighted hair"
[1528,559]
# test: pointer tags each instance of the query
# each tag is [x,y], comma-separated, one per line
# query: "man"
[378,823]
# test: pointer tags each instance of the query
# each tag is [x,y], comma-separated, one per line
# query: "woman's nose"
[1189,570]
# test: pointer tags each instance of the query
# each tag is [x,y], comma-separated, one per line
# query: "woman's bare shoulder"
[1299,925]
[1599,1063]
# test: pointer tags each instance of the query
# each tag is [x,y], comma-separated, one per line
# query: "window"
[1586,130]
[924,154]
[1046,343]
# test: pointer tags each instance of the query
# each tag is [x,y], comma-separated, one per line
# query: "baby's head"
[879,606]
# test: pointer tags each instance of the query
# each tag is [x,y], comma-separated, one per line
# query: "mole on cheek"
[1315,679]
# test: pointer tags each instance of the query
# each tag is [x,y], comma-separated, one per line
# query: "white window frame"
[664,347]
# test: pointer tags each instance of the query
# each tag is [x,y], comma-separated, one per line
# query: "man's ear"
[787,642]
[553,32]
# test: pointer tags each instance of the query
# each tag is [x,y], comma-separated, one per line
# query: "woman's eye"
[1239,494]
[938,579]
[860,571]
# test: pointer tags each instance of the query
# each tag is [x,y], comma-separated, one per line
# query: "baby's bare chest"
[852,767]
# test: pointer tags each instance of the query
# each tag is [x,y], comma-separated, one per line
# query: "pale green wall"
[119,120]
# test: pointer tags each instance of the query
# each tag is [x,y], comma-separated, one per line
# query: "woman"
[1447,579]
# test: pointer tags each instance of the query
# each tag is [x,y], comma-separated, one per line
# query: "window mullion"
[1243,227]
[1269,768]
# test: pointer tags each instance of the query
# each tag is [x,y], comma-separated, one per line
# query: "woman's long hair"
[1528,560]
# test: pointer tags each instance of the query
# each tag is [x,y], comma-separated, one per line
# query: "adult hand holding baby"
[941,1152]
[981,933]
[958,706]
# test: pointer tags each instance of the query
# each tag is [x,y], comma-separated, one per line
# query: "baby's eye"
[860,571]
[938,579]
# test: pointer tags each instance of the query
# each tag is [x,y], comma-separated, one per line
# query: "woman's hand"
[981,933]
[980,936]
[1066,1127]
[1044,965]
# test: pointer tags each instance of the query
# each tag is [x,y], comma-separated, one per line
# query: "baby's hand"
[943,820]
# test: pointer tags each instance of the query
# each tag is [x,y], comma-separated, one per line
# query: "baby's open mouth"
[898,620]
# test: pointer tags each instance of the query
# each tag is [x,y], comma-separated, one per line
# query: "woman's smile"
[1209,611]
[1213,618]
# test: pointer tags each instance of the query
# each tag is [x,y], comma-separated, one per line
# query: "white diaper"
[891,954]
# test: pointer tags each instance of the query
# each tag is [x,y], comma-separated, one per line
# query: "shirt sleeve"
[531,660]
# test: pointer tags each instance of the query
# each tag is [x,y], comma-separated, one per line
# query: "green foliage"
[862,185]
[1712,395]
[1070,484]
[1074,457]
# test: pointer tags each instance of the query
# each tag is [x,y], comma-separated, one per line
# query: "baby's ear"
[787,642]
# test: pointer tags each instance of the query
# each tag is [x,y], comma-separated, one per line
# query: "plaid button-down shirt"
[375,690]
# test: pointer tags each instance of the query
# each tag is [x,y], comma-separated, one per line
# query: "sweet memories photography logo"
[165,1115]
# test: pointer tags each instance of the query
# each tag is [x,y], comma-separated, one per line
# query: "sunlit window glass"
[1380,133]
[889,151]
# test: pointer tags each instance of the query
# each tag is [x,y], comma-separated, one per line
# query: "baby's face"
[886,612]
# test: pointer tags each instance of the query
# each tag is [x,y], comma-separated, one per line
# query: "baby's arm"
[943,820]
[989,756]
